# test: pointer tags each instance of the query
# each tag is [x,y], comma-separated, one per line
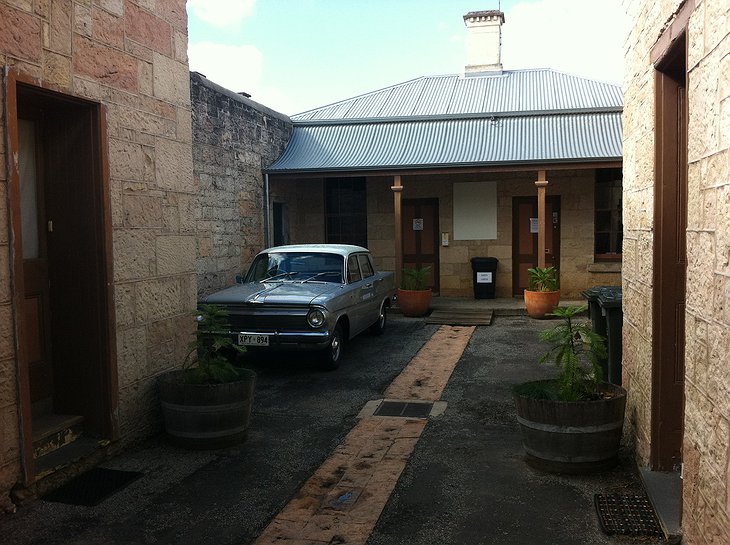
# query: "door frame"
[17,83]
[669,258]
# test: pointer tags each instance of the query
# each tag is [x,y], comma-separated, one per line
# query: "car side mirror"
[239,279]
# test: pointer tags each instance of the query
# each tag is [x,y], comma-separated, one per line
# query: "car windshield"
[296,267]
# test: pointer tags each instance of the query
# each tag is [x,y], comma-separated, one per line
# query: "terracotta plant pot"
[414,303]
[540,303]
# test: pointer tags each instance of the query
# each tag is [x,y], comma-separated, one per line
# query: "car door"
[369,290]
[356,286]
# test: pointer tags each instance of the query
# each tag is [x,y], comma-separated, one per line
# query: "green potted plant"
[542,296]
[572,423]
[207,403]
[414,295]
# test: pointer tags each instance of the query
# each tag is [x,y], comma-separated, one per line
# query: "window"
[353,270]
[346,211]
[609,221]
[281,224]
[365,266]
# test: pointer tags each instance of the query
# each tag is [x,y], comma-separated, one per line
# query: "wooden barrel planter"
[572,436]
[206,416]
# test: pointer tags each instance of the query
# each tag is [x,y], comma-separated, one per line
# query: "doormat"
[92,487]
[464,316]
[626,515]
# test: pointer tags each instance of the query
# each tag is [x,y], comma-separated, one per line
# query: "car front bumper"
[288,340]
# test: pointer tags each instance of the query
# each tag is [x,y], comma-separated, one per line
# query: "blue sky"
[294,55]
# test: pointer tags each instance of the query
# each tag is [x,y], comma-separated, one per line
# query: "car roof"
[340,249]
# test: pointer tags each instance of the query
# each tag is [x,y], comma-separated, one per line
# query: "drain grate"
[92,487]
[406,409]
[628,515]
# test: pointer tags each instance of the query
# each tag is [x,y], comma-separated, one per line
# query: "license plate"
[249,339]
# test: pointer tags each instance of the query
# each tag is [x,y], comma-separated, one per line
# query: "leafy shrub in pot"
[572,423]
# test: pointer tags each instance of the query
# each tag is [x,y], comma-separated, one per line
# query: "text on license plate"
[248,339]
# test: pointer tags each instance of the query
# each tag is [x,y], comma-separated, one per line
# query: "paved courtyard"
[319,467]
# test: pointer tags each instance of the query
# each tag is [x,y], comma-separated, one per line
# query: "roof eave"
[447,166]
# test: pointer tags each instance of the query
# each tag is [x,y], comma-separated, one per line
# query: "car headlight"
[316,317]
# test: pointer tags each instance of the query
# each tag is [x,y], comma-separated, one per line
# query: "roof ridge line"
[451,117]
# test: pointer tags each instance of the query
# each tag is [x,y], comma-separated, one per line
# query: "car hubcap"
[335,348]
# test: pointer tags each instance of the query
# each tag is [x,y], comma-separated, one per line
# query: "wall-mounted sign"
[533,225]
[418,224]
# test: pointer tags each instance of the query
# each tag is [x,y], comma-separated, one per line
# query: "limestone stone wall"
[234,138]
[706,450]
[304,199]
[576,248]
[575,187]
[131,56]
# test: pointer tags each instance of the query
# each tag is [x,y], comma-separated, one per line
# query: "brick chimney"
[483,41]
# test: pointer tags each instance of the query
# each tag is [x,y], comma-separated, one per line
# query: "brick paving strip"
[342,501]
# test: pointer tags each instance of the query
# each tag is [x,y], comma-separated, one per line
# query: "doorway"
[420,231]
[670,260]
[524,238]
[62,266]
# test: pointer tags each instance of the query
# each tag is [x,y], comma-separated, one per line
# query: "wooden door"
[36,306]
[60,211]
[670,265]
[524,238]
[420,228]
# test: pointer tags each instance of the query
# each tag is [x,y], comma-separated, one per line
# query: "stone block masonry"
[706,439]
[131,57]
[234,139]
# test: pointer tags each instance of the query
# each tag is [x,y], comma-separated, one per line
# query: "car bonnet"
[291,293]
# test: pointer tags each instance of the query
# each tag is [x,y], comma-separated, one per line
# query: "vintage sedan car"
[307,297]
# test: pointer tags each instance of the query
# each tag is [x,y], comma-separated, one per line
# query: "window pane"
[28,189]
[608,213]
[346,210]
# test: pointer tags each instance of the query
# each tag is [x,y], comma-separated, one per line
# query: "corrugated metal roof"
[453,142]
[520,116]
[506,92]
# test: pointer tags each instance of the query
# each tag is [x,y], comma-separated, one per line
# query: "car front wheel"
[333,353]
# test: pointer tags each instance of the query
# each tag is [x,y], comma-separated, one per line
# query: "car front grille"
[268,319]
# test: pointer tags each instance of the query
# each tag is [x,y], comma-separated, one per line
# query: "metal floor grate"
[628,515]
[406,409]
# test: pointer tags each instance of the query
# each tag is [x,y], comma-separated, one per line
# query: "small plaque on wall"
[533,225]
[418,224]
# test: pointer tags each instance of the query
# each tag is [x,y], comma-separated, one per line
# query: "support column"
[541,184]
[397,188]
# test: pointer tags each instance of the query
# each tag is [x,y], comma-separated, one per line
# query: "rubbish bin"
[598,320]
[484,277]
[610,301]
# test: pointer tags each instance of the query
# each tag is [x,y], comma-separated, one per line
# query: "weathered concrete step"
[53,431]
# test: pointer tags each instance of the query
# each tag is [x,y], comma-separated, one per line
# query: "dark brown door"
[36,308]
[62,207]
[524,238]
[670,263]
[420,227]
